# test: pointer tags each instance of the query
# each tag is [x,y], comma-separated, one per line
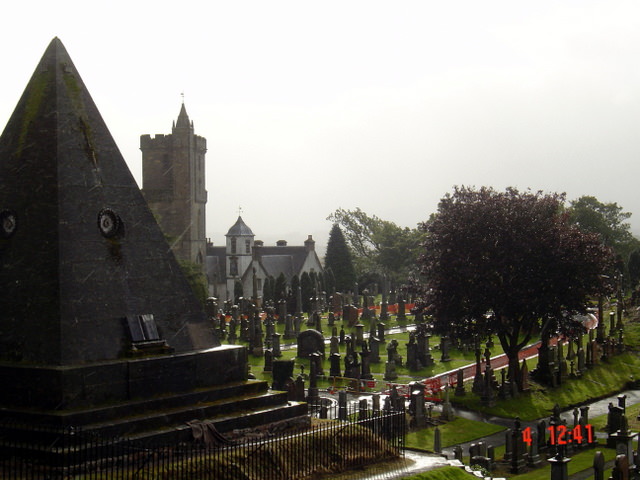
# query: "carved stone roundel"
[8,223]
[109,223]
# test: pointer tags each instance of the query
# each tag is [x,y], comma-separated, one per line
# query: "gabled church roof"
[79,248]
[239,229]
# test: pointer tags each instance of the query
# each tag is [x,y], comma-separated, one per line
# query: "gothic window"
[247,246]
[233,244]
[233,267]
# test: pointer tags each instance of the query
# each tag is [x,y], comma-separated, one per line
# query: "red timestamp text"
[561,435]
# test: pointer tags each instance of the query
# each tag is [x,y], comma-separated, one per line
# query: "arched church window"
[233,267]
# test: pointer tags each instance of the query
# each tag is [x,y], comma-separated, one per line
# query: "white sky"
[312,106]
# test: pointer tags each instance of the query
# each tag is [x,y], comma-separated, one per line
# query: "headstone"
[351,365]
[533,459]
[268,360]
[447,410]
[598,466]
[374,348]
[350,315]
[289,331]
[342,405]
[390,373]
[365,364]
[620,470]
[275,345]
[381,327]
[437,442]
[412,354]
[282,311]
[478,379]
[518,449]
[334,369]
[402,314]
[359,334]
[310,341]
[313,396]
[559,466]
[282,374]
[363,409]
[460,383]
[334,345]
[458,453]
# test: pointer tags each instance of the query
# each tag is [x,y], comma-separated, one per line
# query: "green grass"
[579,462]
[452,433]
[600,381]
[443,473]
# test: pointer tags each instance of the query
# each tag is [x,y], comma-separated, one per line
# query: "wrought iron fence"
[55,454]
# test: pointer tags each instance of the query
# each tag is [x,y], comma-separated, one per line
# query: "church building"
[248,261]
[173,177]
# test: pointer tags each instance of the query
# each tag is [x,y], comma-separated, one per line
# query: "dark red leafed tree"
[508,264]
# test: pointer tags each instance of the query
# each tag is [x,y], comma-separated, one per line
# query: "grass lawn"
[443,473]
[601,381]
[451,433]
[579,462]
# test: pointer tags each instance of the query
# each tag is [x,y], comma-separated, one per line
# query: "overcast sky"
[312,106]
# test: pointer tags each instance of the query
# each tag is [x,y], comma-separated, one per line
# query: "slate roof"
[239,228]
[275,256]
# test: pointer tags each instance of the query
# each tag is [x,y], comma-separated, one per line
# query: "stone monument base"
[149,398]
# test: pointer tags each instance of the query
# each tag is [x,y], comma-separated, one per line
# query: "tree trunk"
[514,366]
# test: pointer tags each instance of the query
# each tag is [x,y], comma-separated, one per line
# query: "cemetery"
[117,371]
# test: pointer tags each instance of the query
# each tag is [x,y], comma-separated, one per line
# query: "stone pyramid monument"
[98,326]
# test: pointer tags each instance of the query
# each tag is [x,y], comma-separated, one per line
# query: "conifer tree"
[338,259]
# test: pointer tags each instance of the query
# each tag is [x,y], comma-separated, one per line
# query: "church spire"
[183,118]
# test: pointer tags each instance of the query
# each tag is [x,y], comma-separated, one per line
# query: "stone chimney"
[281,243]
[309,244]
[257,249]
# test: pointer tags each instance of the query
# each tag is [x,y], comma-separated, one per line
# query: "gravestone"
[598,466]
[350,315]
[374,348]
[334,362]
[282,374]
[97,317]
[310,341]
[401,314]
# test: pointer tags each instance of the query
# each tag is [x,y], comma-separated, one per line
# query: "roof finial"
[182,95]
[239,211]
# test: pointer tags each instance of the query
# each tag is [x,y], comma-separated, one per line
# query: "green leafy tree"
[293,292]
[634,268]
[608,221]
[378,245]
[238,291]
[306,285]
[509,264]
[280,290]
[338,260]
[329,280]
[268,290]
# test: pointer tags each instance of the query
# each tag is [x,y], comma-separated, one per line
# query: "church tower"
[173,180]
[239,249]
